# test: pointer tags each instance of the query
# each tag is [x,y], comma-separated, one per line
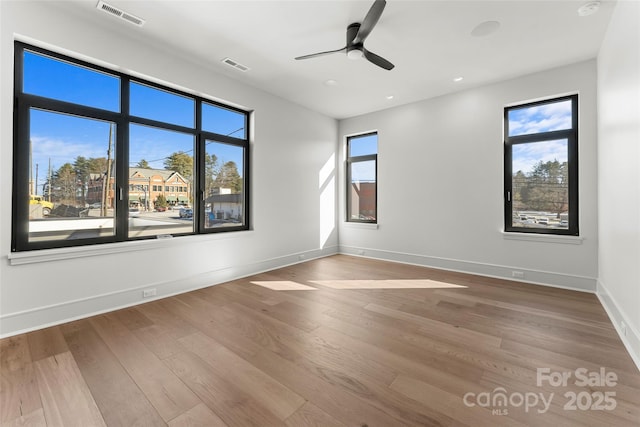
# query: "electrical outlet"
[301,257]
[623,328]
[147,293]
[517,274]
[360,252]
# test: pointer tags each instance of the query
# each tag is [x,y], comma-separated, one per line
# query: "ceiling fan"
[356,35]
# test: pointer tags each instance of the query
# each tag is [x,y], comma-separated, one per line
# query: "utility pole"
[107,186]
[49,182]
[36,185]
[31,168]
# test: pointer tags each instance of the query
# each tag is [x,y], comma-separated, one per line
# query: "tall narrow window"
[541,167]
[362,171]
[101,156]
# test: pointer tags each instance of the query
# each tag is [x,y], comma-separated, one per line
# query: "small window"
[223,121]
[161,105]
[224,185]
[56,79]
[68,176]
[362,187]
[541,170]
[171,155]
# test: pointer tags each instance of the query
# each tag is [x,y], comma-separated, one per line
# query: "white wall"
[440,190]
[292,216]
[619,172]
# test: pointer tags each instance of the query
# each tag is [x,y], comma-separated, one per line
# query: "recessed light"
[589,8]
[458,79]
[331,82]
[390,97]
[485,28]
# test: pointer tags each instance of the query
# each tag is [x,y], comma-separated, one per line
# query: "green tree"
[143,164]
[180,162]
[228,177]
[97,164]
[161,201]
[81,166]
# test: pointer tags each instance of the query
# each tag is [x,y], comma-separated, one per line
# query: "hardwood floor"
[346,342]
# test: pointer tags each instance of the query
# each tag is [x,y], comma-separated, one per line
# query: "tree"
[143,164]
[228,177]
[64,185]
[81,166]
[211,165]
[97,164]
[180,162]
[547,187]
[161,201]
[84,168]
[519,181]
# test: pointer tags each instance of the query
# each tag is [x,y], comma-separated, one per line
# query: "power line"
[189,151]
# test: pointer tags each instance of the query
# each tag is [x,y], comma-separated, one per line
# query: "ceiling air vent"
[112,10]
[230,62]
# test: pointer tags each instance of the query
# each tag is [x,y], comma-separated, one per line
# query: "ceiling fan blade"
[378,60]
[329,52]
[370,20]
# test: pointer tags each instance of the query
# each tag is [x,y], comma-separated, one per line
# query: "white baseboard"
[631,339]
[545,278]
[42,317]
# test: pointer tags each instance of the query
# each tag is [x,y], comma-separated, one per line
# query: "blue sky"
[361,146]
[541,118]
[61,138]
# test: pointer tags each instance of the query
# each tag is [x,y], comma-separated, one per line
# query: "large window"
[100,156]
[541,167]
[362,187]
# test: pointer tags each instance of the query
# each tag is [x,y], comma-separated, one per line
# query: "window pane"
[160,105]
[52,78]
[222,121]
[540,118]
[362,188]
[224,185]
[165,159]
[540,184]
[71,177]
[363,145]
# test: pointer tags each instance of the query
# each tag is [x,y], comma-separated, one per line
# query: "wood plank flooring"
[340,341]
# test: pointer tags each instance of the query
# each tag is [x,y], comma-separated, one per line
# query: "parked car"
[186,213]
[161,208]
[133,212]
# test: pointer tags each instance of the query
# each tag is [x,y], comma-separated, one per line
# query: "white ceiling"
[429,42]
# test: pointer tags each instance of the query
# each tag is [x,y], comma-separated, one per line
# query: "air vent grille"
[230,62]
[112,10]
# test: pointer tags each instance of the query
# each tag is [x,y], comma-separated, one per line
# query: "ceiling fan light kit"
[356,35]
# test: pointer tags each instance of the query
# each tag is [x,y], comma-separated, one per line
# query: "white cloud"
[526,156]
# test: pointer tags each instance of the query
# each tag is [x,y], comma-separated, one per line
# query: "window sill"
[545,238]
[364,225]
[58,254]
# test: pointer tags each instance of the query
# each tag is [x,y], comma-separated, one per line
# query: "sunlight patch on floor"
[386,284]
[284,285]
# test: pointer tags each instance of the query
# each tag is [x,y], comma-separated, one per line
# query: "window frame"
[571,136]
[350,160]
[24,102]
